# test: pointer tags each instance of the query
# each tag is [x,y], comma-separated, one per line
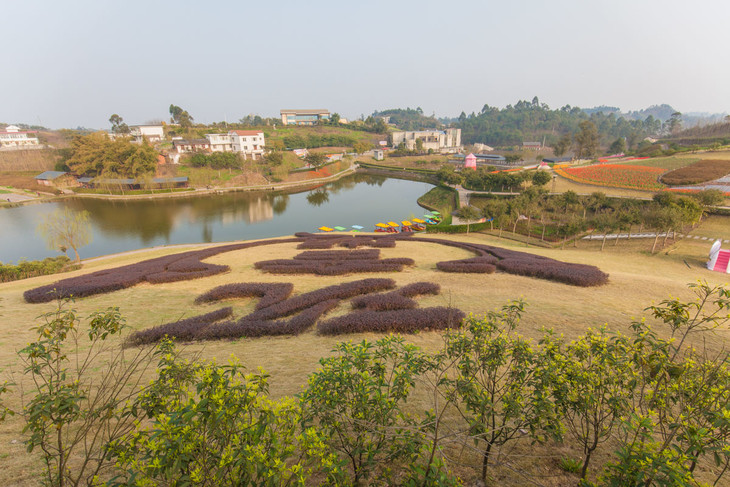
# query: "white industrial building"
[447,140]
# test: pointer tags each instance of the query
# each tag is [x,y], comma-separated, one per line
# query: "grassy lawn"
[440,199]
[636,280]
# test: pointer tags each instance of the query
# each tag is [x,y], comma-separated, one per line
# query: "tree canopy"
[96,154]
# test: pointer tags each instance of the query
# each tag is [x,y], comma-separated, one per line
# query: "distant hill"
[661,112]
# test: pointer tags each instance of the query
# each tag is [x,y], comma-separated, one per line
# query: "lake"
[119,226]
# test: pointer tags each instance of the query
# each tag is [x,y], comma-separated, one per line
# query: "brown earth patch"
[699,172]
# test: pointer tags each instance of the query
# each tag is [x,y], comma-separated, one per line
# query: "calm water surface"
[118,226]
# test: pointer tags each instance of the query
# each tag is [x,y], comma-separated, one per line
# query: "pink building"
[470,162]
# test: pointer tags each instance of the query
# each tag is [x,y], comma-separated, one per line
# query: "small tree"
[82,387]
[64,229]
[358,398]
[315,159]
[470,214]
[500,384]
[541,178]
[360,147]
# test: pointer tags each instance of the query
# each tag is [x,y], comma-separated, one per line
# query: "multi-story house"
[219,142]
[249,143]
[14,138]
[153,133]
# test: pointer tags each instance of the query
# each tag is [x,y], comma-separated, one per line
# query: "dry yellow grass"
[636,280]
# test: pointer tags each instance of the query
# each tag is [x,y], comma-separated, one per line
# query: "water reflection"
[126,225]
[318,197]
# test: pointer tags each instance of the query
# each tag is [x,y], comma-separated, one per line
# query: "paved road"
[15,197]
[612,236]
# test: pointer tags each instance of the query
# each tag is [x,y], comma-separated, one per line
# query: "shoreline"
[273,187]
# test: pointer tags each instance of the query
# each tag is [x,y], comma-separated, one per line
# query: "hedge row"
[188,329]
[398,321]
[257,328]
[340,255]
[310,307]
[25,269]
[521,263]
[307,300]
[575,274]
[398,299]
[270,293]
[467,266]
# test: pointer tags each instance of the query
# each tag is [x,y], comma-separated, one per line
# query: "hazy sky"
[74,63]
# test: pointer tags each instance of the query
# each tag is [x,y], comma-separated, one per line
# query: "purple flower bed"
[334,263]
[481,265]
[364,254]
[187,329]
[307,300]
[398,299]
[258,328]
[270,293]
[399,321]
[575,274]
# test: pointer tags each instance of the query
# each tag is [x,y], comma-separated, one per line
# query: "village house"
[448,140]
[55,178]
[153,133]
[14,138]
[183,146]
[303,117]
[531,146]
[249,143]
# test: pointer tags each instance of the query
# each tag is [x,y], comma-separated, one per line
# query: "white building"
[304,117]
[448,140]
[246,142]
[220,142]
[153,133]
[14,138]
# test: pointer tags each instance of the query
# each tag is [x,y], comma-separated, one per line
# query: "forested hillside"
[535,121]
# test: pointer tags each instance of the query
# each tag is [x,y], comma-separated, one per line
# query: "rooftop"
[50,175]
[304,112]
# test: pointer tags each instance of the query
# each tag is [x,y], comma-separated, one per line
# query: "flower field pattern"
[392,311]
[616,176]
[279,313]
